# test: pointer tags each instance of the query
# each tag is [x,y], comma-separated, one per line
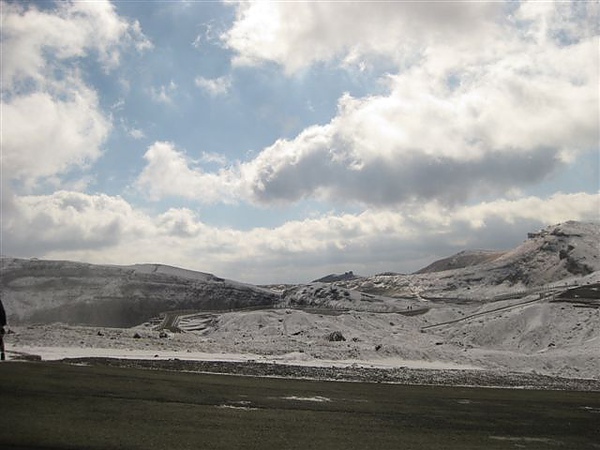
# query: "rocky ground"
[400,375]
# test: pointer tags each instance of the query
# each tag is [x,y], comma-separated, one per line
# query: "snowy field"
[534,310]
[547,338]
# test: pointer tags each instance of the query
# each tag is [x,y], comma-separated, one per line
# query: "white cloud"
[32,38]
[164,94]
[488,115]
[507,125]
[299,34]
[214,86]
[214,158]
[52,120]
[105,229]
[69,220]
[170,172]
[136,133]
[66,133]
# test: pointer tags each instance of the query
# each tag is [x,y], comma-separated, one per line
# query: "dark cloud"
[64,221]
[409,176]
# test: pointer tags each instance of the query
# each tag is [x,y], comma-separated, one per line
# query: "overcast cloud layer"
[464,125]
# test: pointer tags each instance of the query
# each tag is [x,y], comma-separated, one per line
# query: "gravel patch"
[399,375]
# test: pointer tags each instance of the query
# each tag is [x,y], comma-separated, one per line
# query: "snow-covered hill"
[533,308]
[566,253]
[36,291]
[70,292]
[337,277]
[461,260]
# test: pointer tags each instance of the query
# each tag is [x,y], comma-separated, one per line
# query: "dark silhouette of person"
[2,325]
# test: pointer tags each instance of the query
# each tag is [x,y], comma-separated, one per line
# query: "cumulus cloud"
[66,132]
[70,30]
[68,220]
[420,141]
[169,172]
[299,34]
[105,229]
[52,120]
[460,121]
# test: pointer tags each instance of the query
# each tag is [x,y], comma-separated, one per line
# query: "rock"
[137,336]
[335,336]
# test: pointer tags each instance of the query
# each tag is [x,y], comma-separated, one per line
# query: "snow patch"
[317,399]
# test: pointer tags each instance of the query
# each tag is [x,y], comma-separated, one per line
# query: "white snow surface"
[548,338]
[60,353]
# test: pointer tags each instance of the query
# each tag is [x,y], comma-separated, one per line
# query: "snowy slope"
[563,253]
[548,338]
[461,260]
[77,293]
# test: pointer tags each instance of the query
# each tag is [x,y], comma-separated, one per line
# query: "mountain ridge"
[461,260]
[110,295]
[535,309]
[553,254]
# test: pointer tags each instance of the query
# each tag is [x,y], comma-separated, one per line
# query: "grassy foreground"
[59,406]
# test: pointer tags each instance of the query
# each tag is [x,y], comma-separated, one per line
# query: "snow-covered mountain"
[565,253]
[36,291]
[533,308]
[77,293]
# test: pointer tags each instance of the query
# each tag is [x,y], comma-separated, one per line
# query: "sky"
[278,142]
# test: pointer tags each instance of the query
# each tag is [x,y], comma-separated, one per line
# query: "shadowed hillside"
[35,291]
[461,260]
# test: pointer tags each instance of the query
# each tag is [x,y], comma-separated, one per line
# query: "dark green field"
[59,406]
